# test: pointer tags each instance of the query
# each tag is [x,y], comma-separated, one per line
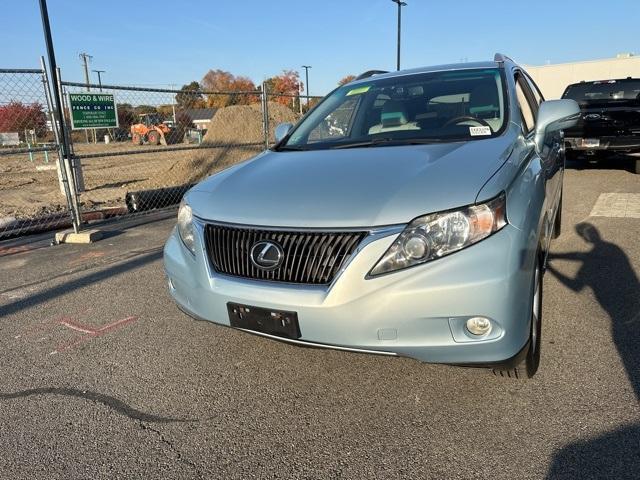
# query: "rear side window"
[526,108]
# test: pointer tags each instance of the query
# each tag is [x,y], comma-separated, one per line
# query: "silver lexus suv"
[409,213]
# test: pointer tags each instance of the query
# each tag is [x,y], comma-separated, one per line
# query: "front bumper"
[622,144]
[419,312]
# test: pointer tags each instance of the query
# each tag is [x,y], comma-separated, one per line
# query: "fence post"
[67,166]
[54,128]
[66,183]
[265,114]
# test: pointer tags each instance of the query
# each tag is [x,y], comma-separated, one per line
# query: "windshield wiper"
[388,141]
[292,148]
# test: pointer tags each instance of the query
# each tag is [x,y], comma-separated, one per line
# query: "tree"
[165,111]
[190,96]
[288,85]
[221,81]
[126,118]
[347,79]
[142,109]
[18,117]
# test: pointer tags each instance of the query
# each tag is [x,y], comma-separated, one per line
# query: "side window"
[526,105]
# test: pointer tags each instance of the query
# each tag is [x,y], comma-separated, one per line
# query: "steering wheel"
[466,118]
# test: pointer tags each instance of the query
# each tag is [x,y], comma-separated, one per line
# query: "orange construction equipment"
[152,131]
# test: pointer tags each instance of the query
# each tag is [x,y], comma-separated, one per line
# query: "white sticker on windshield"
[478,131]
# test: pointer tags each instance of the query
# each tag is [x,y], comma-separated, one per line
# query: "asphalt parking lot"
[102,377]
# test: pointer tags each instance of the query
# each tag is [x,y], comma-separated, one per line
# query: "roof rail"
[501,58]
[370,73]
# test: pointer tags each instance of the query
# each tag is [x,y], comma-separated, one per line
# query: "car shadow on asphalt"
[80,282]
[606,269]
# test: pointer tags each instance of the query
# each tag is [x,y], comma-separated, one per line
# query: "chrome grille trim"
[312,257]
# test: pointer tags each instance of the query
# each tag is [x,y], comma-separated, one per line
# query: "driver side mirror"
[281,131]
[555,115]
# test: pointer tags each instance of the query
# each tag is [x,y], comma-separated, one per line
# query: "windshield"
[419,108]
[605,91]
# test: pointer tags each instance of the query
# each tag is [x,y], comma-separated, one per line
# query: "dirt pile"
[237,124]
[243,123]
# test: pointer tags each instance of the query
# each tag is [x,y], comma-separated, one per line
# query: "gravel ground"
[102,377]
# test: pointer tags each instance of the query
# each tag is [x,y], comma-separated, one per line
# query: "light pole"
[400,5]
[306,72]
[99,77]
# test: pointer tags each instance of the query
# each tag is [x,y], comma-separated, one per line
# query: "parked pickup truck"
[610,121]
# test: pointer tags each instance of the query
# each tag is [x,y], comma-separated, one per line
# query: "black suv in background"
[610,121]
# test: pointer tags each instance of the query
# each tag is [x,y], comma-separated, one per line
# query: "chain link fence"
[30,177]
[166,141]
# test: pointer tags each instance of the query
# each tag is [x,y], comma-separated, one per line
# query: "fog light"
[479,325]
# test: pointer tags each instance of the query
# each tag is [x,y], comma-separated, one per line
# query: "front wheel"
[636,167]
[528,367]
[153,138]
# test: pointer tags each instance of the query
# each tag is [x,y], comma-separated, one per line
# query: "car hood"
[359,187]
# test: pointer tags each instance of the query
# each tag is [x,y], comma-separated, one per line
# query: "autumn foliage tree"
[347,79]
[18,117]
[221,81]
[287,83]
[190,96]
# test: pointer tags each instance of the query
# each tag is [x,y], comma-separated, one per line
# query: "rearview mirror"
[555,115]
[282,130]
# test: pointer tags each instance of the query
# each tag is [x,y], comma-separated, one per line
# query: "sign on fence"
[9,139]
[93,110]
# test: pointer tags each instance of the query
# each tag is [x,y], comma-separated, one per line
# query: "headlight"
[438,234]
[185,226]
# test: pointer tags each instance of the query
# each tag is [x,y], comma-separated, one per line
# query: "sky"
[161,43]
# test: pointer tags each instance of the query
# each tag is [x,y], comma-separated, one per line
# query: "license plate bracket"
[273,322]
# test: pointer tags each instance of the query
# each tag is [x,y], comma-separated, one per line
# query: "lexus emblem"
[266,255]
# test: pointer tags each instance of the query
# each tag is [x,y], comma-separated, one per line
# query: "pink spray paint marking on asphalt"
[89,332]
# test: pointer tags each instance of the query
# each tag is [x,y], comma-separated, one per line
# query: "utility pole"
[400,5]
[85,57]
[306,72]
[99,77]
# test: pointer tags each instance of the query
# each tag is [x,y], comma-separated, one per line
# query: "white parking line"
[621,205]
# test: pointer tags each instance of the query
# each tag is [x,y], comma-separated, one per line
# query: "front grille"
[309,257]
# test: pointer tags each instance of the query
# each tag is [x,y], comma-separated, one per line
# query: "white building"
[554,78]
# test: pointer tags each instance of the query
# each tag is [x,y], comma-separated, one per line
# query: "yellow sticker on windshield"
[359,90]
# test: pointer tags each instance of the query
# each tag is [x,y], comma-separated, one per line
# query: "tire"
[636,168]
[557,224]
[136,139]
[528,367]
[153,138]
